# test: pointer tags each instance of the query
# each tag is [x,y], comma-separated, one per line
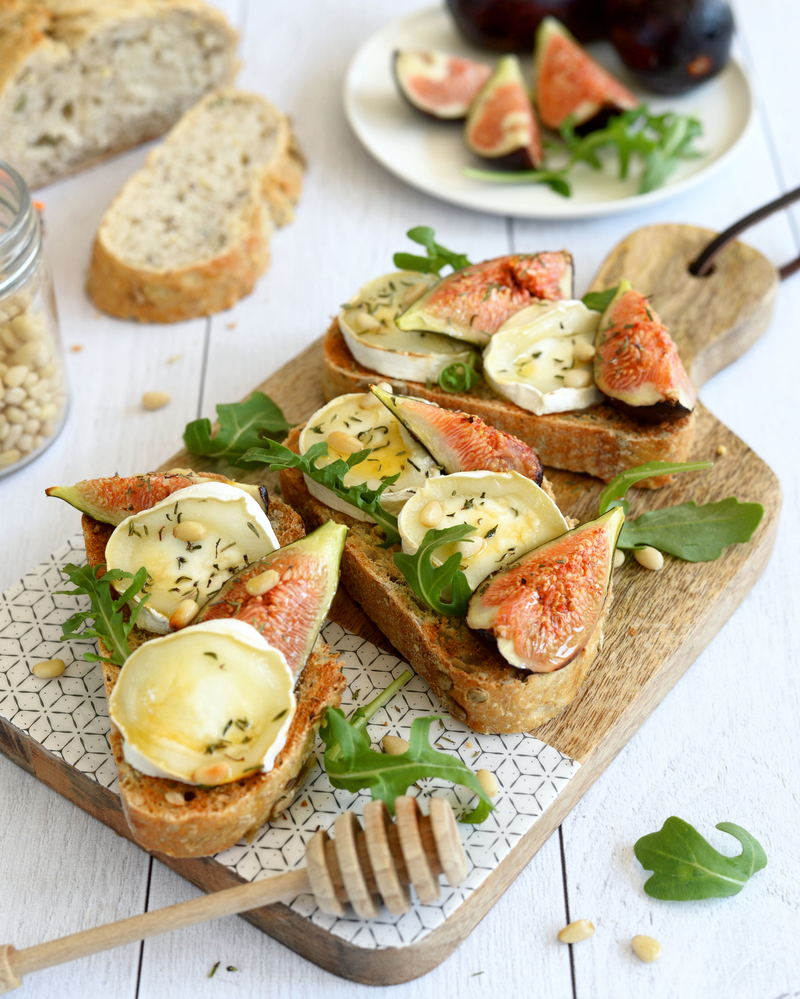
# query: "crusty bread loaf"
[600,441]
[81,79]
[473,681]
[179,820]
[188,235]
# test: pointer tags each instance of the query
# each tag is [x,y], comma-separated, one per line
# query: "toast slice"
[188,235]
[599,441]
[167,816]
[472,680]
[81,80]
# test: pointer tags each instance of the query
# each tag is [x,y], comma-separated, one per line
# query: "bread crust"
[473,681]
[180,820]
[599,441]
[206,286]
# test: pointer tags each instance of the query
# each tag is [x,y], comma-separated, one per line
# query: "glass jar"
[33,386]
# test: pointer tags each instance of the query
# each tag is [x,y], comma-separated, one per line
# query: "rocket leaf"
[438,255]
[599,301]
[276,456]
[686,867]
[614,492]
[430,581]
[105,614]
[359,766]
[242,425]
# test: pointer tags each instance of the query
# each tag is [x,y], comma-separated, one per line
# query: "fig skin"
[671,46]
[510,25]
[466,79]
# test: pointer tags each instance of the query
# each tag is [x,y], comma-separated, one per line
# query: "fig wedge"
[437,84]
[501,124]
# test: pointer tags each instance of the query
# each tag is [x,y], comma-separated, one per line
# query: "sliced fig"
[298,584]
[501,124]
[637,364]
[437,84]
[112,499]
[543,608]
[474,302]
[460,442]
[568,83]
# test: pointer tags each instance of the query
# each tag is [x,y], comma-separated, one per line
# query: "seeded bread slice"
[82,79]
[188,235]
[179,820]
[599,441]
[473,681]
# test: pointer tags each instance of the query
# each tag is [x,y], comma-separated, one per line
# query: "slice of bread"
[82,79]
[179,820]
[472,680]
[188,235]
[599,441]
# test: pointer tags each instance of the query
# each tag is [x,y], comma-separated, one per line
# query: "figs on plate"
[474,302]
[543,608]
[460,442]
[510,25]
[438,84]
[501,124]
[637,364]
[568,83]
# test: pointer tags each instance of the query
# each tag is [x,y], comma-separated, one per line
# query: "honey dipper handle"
[16,963]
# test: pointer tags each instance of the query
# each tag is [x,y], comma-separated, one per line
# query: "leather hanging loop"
[702,264]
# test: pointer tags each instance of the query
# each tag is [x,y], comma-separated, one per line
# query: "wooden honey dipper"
[359,866]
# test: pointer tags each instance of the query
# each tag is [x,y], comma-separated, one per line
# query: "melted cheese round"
[532,354]
[235,531]
[369,424]
[208,705]
[510,514]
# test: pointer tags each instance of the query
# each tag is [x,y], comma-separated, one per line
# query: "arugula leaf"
[430,581]
[105,613]
[554,179]
[614,492]
[693,533]
[686,867]
[359,766]
[276,456]
[459,377]
[242,425]
[599,301]
[362,715]
[438,255]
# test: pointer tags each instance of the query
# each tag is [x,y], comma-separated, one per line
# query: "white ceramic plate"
[430,155]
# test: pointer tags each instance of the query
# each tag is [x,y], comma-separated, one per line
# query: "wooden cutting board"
[658,623]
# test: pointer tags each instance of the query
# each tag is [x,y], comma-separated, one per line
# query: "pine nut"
[583,351]
[646,948]
[363,322]
[431,514]
[488,782]
[212,773]
[25,442]
[578,378]
[175,798]
[155,400]
[574,932]
[650,558]
[49,668]
[183,614]
[393,745]
[14,396]
[343,442]
[16,375]
[9,457]
[369,401]
[619,558]
[414,293]
[16,415]
[189,530]
[385,387]
[722,450]
[262,583]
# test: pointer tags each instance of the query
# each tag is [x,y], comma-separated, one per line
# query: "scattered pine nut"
[578,378]
[364,322]
[262,583]
[155,400]
[431,514]
[184,614]
[646,948]
[722,450]
[48,668]
[650,558]
[393,745]
[230,326]
[583,352]
[369,401]
[343,442]
[189,530]
[574,932]
[175,798]
[488,782]
[76,348]
[619,557]
[385,387]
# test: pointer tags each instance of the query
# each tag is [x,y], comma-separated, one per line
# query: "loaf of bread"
[188,235]
[470,677]
[599,441]
[81,79]
[185,821]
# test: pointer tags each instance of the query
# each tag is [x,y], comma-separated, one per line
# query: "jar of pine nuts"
[33,386]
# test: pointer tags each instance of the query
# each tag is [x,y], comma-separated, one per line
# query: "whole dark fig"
[510,25]
[671,46]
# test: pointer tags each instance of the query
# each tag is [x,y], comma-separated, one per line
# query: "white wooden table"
[723,745]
